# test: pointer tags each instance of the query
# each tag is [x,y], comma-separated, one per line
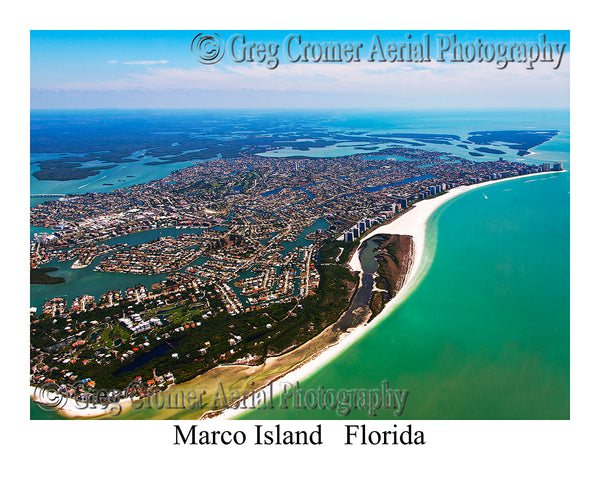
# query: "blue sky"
[157,69]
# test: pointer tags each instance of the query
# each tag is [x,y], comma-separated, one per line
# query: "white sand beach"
[413,223]
[69,407]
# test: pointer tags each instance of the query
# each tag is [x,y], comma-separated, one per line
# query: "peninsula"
[257,290]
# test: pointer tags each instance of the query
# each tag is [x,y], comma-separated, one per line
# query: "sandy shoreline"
[68,407]
[413,223]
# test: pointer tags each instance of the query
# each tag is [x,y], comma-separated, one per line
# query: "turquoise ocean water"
[485,334]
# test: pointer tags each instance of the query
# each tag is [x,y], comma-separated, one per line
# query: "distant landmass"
[521,140]
[493,151]
[111,140]
[39,276]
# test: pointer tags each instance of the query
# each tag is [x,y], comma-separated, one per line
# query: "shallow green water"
[485,335]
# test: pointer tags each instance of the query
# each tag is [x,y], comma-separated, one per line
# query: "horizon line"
[378,109]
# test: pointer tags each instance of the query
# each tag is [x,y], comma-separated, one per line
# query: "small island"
[285,261]
[39,276]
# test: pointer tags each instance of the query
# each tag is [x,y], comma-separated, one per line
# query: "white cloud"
[145,62]
[410,81]
[141,62]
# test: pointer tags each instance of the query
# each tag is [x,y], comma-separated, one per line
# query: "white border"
[466,449]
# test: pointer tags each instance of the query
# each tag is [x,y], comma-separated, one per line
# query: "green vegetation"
[377,303]
[201,343]
[264,332]
[393,256]
[62,170]
[39,276]
[331,250]
[248,181]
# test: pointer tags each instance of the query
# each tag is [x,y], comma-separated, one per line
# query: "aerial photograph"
[299,225]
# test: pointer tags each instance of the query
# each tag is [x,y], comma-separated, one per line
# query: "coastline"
[72,409]
[413,222]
